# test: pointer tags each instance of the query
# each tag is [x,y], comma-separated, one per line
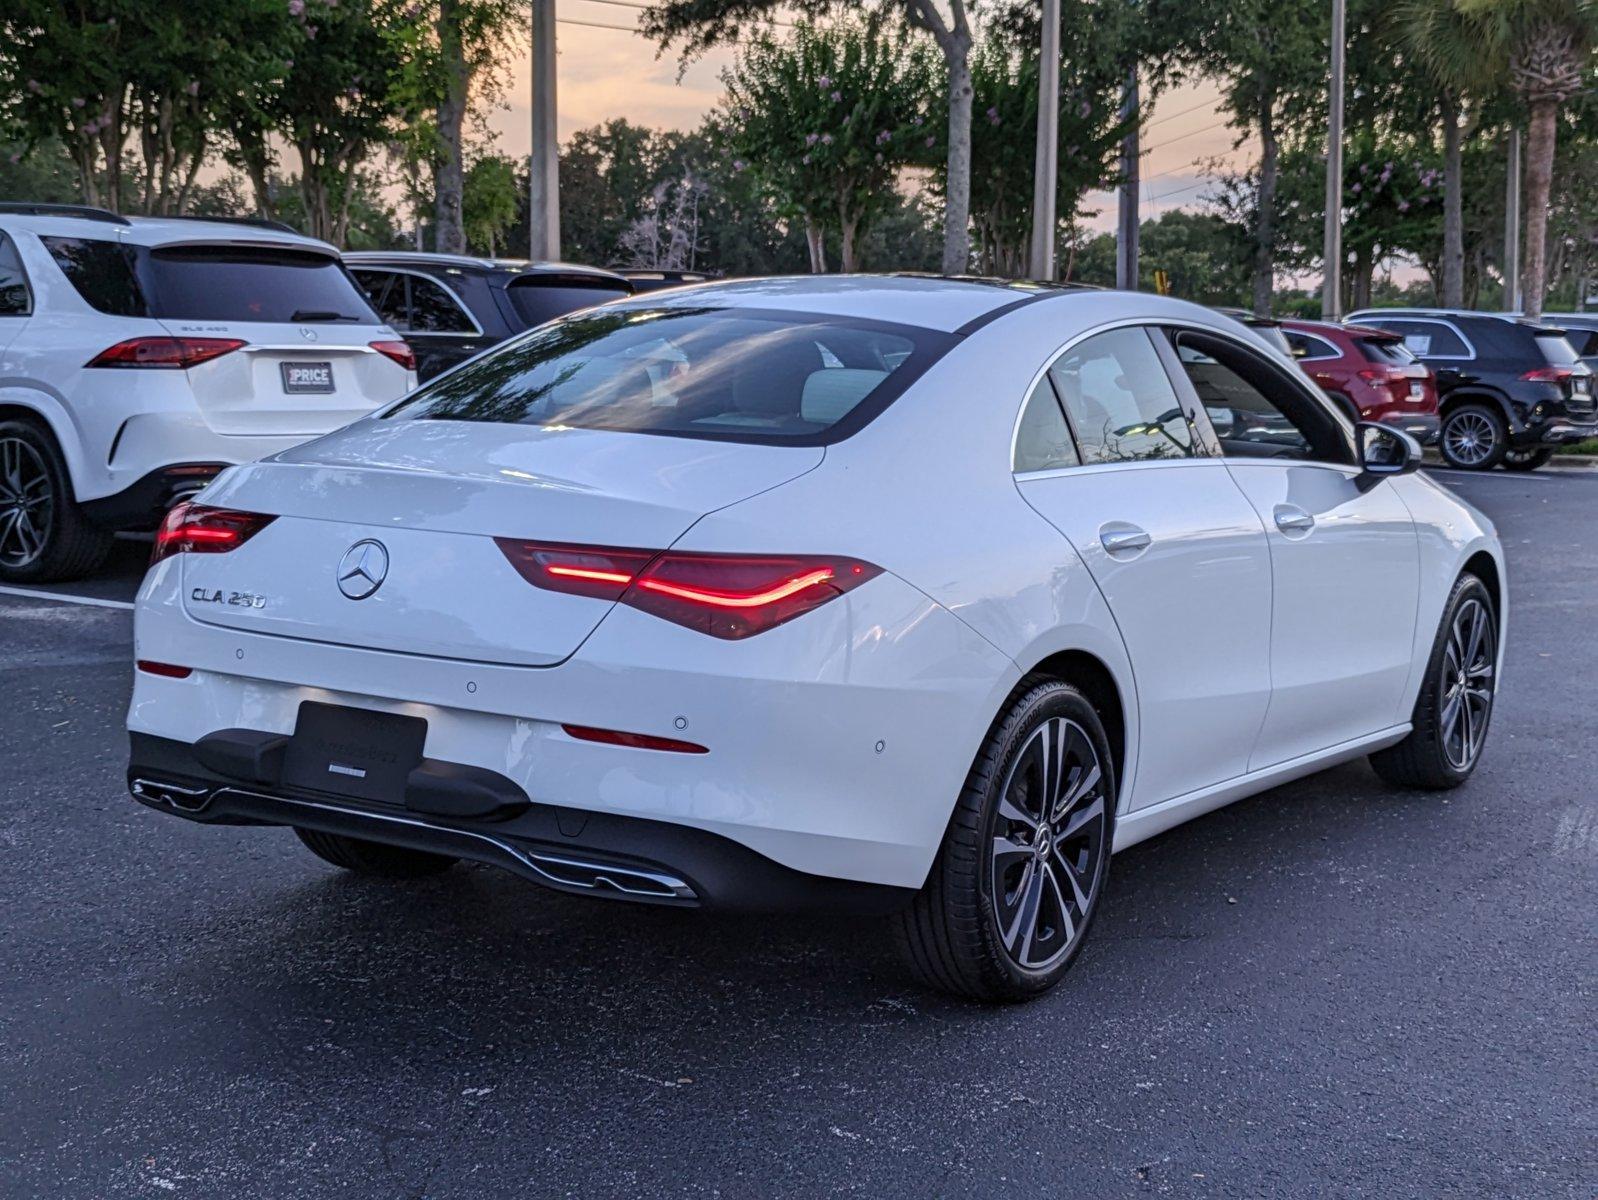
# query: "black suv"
[451,307]
[1508,391]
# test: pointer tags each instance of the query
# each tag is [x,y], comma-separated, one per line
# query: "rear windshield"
[1391,351]
[750,375]
[536,301]
[235,284]
[210,283]
[1557,351]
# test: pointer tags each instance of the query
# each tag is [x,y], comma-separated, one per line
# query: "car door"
[1106,452]
[1345,557]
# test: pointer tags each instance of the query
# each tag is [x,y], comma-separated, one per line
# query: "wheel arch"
[1094,678]
[43,410]
[1460,397]
[1485,568]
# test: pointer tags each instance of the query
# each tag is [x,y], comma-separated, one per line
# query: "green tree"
[700,24]
[488,201]
[825,120]
[1204,257]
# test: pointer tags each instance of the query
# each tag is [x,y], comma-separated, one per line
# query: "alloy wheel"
[1467,684]
[27,503]
[1047,847]
[1470,438]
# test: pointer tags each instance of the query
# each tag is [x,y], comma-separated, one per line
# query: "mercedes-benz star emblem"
[307,333]
[362,569]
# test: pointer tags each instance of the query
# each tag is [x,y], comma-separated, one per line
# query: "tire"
[967,931]
[1430,757]
[44,537]
[1474,438]
[373,858]
[1527,460]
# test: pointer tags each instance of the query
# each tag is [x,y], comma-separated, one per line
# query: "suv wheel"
[43,535]
[1527,460]
[1009,900]
[1474,438]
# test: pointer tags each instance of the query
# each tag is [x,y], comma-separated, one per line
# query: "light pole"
[1046,169]
[1512,297]
[543,185]
[1126,248]
[1332,249]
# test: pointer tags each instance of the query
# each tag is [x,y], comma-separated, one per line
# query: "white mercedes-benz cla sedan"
[908,595]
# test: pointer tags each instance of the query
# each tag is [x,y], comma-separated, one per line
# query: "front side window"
[14,298]
[1256,413]
[1043,439]
[1120,400]
[731,374]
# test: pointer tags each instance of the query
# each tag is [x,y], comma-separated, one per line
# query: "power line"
[1150,125]
[1182,137]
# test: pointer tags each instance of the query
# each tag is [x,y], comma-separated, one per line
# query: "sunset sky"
[613,72]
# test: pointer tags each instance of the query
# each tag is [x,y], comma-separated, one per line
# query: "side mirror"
[1384,452]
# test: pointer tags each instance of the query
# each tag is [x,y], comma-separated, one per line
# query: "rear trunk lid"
[418,504]
[307,364]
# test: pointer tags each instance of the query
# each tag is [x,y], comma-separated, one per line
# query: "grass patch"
[1589,446]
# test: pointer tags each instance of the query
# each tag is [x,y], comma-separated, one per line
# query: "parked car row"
[140,356]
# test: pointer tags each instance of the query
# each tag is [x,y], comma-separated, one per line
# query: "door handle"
[1123,540]
[1292,519]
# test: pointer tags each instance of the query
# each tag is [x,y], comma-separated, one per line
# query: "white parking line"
[64,598]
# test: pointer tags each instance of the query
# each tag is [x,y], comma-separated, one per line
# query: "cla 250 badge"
[202,595]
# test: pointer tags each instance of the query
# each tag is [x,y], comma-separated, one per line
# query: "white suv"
[139,356]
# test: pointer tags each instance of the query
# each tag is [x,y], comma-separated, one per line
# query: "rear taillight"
[1548,374]
[165,670]
[724,595]
[637,741]
[1383,375]
[164,353]
[400,352]
[199,529]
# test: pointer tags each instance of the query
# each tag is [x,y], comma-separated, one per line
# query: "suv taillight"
[1548,374]
[400,352]
[169,353]
[728,596]
[200,529]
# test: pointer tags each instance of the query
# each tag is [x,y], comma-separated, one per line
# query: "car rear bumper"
[837,743]
[568,850]
[1557,433]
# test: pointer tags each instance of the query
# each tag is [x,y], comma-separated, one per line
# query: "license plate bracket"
[353,751]
[307,378]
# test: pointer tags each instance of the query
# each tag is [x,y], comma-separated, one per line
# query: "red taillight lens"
[637,741]
[165,670]
[725,595]
[400,352]
[1383,375]
[1548,374]
[198,529]
[168,353]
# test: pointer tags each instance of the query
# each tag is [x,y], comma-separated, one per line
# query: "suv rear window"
[746,375]
[102,272]
[537,301]
[210,283]
[1557,350]
[1391,351]
[226,283]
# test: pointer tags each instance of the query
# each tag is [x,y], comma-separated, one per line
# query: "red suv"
[1371,372]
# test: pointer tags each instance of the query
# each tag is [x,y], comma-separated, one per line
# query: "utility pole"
[1512,296]
[1047,166]
[543,183]
[1332,251]
[1131,155]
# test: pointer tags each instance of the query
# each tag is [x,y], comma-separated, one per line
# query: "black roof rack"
[87,212]
[257,222]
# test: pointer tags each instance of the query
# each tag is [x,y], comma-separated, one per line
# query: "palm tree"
[1440,36]
[1543,50]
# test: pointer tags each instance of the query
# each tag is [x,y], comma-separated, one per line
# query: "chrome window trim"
[477,329]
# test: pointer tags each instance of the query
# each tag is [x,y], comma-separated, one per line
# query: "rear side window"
[751,375]
[102,273]
[1390,351]
[385,293]
[434,310]
[1306,347]
[227,283]
[1427,339]
[1043,439]
[1120,399]
[536,301]
[1557,351]
[14,298]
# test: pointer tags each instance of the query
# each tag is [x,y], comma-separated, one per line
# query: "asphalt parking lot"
[1328,990]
